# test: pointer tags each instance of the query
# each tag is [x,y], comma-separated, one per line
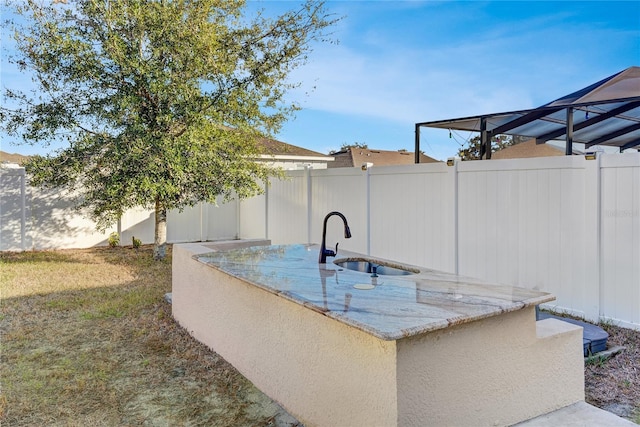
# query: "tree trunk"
[160,241]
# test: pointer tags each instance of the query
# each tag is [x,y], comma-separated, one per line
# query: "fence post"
[456,237]
[266,210]
[367,176]
[307,175]
[592,232]
[238,232]
[201,207]
[23,218]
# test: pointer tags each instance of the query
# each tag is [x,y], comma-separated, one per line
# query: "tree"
[161,102]
[345,146]
[498,142]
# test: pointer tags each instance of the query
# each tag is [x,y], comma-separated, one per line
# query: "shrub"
[136,242]
[114,239]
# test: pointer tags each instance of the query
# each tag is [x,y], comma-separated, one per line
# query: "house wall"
[564,225]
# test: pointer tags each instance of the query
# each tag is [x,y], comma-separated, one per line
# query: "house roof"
[273,147]
[12,158]
[356,157]
[527,149]
[605,113]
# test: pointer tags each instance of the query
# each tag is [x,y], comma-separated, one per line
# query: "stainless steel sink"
[373,267]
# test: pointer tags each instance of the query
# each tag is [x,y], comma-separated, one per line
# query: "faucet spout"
[324,252]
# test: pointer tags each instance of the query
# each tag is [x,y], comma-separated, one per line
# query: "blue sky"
[399,63]
[402,62]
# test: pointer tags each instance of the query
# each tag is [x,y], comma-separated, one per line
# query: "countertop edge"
[381,334]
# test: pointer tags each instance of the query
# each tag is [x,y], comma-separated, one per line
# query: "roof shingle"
[356,157]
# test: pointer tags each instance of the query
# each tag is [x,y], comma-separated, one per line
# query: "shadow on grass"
[120,255]
[36,256]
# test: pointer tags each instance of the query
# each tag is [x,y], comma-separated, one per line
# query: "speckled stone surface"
[388,307]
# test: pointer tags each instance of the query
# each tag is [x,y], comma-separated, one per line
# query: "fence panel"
[521,222]
[138,223]
[15,204]
[343,190]
[35,218]
[412,216]
[190,225]
[253,217]
[218,222]
[56,224]
[620,257]
[287,209]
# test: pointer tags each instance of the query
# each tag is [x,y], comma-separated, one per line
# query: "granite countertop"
[389,307]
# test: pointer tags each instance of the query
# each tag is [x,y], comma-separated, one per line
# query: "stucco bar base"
[496,371]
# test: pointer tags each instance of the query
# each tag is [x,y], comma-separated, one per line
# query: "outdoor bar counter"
[336,346]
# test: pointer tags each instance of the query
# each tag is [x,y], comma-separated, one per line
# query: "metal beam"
[630,145]
[568,149]
[612,135]
[527,118]
[417,144]
[592,121]
[485,140]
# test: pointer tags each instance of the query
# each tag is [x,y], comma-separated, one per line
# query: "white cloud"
[502,66]
[401,87]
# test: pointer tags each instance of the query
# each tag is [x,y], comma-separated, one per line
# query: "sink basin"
[366,266]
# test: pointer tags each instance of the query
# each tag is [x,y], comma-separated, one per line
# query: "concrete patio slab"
[577,415]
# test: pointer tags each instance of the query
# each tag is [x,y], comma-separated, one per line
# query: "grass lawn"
[87,339]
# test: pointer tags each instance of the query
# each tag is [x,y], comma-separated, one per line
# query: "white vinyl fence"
[33,218]
[564,225]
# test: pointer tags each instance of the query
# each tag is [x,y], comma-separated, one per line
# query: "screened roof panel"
[604,113]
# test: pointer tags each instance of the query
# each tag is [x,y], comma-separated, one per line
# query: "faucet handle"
[336,253]
[329,252]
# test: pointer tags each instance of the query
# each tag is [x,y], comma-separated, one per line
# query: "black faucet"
[324,252]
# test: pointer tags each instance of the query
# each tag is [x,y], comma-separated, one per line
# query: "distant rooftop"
[273,147]
[356,157]
[528,149]
[12,158]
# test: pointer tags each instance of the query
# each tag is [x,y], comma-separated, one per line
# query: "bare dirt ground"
[87,339]
[614,384]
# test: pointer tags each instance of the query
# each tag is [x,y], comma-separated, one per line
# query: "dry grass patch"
[87,339]
[50,272]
